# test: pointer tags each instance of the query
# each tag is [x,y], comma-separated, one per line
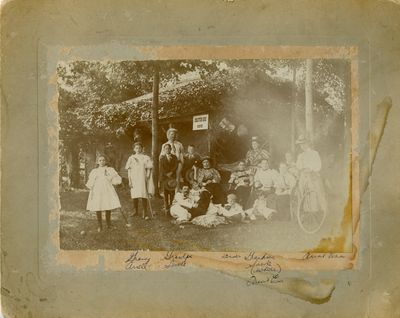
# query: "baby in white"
[260,208]
[232,210]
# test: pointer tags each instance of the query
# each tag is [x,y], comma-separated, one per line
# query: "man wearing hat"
[168,167]
[176,149]
[309,165]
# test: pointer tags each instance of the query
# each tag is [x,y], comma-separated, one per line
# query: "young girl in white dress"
[139,168]
[102,195]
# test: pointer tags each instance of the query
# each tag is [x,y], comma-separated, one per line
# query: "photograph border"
[327,255]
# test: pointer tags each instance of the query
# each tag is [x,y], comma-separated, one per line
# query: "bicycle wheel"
[310,214]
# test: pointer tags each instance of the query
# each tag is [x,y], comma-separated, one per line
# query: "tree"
[99,100]
[89,93]
[309,101]
[154,124]
[293,111]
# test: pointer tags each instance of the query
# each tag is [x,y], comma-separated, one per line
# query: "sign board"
[200,122]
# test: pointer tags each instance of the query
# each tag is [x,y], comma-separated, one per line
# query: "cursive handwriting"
[253,280]
[227,255]
[176,259]
[334,255]
[253,256]
[309,255]
[137,261]
[264,267]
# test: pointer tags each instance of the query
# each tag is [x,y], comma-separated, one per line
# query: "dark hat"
[170,184]
[205,158]
[301,140]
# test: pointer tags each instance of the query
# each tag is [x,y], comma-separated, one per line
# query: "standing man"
[168,167]
[176,149]
[190,164]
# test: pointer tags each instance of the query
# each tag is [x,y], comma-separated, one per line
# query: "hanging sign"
[200,122]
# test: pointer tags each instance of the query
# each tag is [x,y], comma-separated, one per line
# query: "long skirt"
[218,194]
[243,195]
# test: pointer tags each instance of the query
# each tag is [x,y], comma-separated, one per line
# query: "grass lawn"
[160,234]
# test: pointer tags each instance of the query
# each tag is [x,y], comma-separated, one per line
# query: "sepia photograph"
[203,155]
[200,158]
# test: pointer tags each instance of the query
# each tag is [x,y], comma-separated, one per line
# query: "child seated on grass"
[260,207]
[233,211]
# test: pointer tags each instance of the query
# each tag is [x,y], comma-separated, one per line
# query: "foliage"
[104,98]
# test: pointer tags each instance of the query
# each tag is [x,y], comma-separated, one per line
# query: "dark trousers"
[168,198]
[218,194]
[136,205]
[203,203]
[243,195]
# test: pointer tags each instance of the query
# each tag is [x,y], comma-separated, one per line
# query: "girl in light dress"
[139,168]
[102,195]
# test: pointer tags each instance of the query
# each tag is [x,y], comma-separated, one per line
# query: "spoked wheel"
[310,214]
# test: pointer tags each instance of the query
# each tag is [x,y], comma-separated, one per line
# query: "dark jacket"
[188,162]
[167,166]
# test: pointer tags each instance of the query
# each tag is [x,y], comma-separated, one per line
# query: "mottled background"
[30,291]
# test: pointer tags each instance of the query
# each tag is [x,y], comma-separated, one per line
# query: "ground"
[160,234]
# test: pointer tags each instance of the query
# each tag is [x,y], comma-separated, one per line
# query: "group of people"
[192,189]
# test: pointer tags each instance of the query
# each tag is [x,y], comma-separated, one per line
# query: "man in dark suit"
[190,164]
[168,166]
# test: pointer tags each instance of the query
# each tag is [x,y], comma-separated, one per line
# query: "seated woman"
[256,154]
[210,178]
[267,180]
[202,198]
[240,182]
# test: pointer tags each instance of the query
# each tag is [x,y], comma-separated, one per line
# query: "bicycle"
[310,211]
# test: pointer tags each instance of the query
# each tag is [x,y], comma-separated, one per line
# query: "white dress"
[102,195]
[136,165]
